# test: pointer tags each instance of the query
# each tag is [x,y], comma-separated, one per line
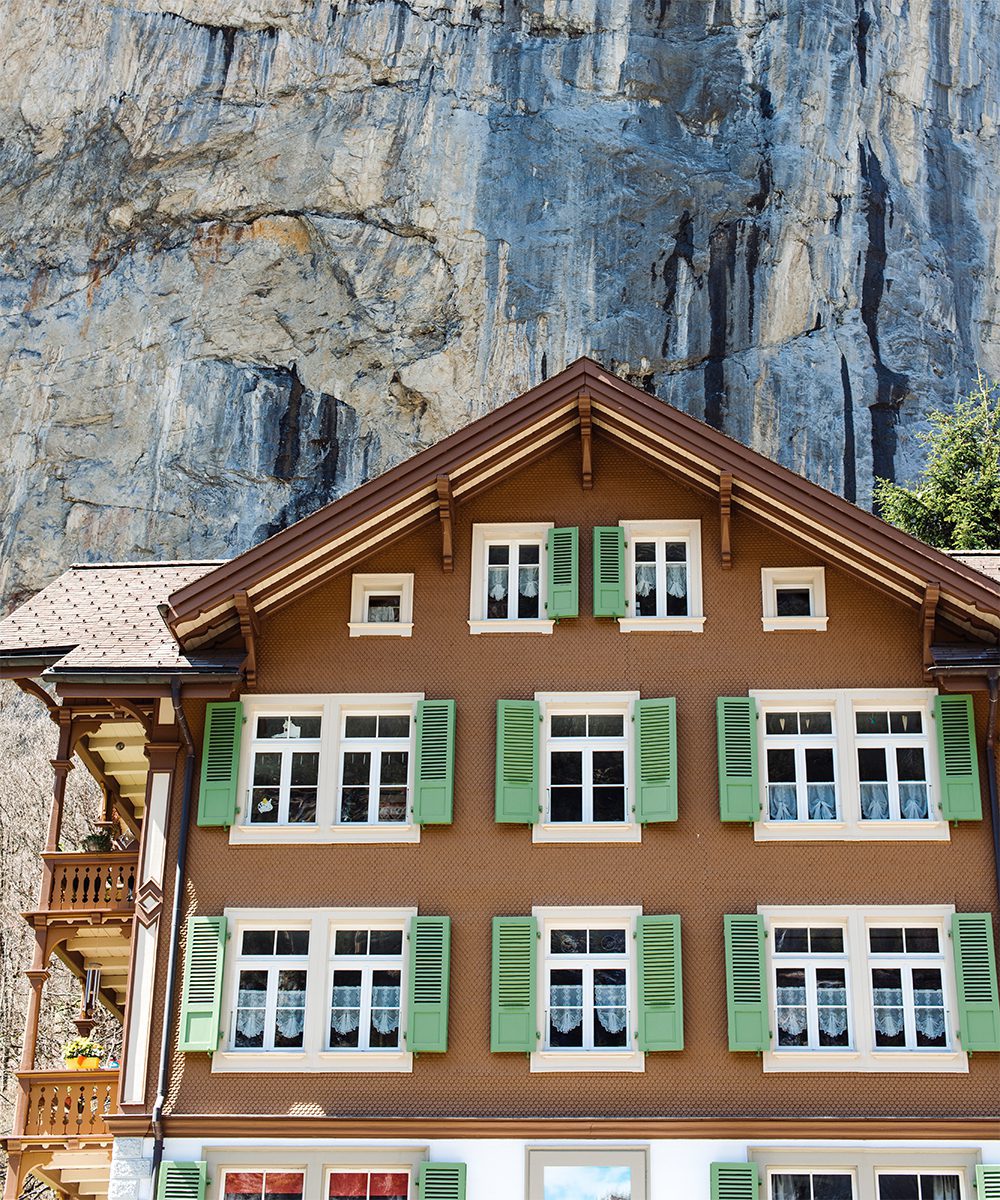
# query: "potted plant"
[82,1054]
[99,842]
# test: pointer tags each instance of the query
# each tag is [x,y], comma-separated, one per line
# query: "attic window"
[793,598]
[381,606]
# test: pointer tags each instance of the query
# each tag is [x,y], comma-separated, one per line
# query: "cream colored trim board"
[537,1158]
[865,1164]
[315,1164]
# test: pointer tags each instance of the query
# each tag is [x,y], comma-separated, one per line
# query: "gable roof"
[407,496]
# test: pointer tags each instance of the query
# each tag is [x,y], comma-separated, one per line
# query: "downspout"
[175,930]
[991,772]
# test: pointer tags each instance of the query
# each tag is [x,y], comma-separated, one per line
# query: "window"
[812,1186]
[509,585]
[381,606]
[366,1002]
[271,991]
[860,1172]
[583,1173]
[263,1185]
[911,1186]
[285,769]
[793,598]
[663,576]
[369,1185]
[375,768]
[848,765]
[861,989]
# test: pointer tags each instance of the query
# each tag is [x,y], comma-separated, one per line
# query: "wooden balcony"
[91,883]
[68,1108]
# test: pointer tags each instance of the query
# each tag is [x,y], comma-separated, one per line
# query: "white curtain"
[527,583]
[497,583]
[291,1021]
[677,585]
[943,1187]
[250,1021]
[782,802]
[832,1010]
[566,1011]
[928,1012]
[789,1187]
[913,801]
[382,616]
[822,801]
[645,578]
[875,801]
[610,1001]
[792,1017]
[346,1014]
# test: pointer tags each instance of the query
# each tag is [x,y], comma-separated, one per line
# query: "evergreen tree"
[955,504]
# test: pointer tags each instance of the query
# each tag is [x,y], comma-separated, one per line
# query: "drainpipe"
[175,930]
[993,680]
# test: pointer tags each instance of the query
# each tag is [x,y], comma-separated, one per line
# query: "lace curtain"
[289,1019]
[928,1012]
[566,1012]
[645,579]
[382,616]
[527,582]
[346,1014]
[821,798]
[912,801]
[832,1010]
[782,802]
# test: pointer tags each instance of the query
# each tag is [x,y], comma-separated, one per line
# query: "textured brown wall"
[697,867]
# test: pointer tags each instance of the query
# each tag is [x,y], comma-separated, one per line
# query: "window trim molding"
[326,830]
[588,1061]
[527,531]
[771,578]
[537,1158]
[850,827]
[361,584]
[865,1057]
[314,1164]
[865,1163]
[689,531]
[313,1058]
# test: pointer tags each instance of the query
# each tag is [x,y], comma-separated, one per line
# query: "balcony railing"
[91,882]
[68,1104]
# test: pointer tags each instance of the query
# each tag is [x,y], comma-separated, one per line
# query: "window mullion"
[661,576]
[812,1006]
[895,804]
[801,792]
[284,784]
[909,1007]
[588,784]
[365,1015]
[589,1014]
[374,776]
[513,551]
[271,1006]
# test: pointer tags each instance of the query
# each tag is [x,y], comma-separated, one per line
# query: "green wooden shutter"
[735,1181]
[563,553]
[430,960]
[656,760]
[201,993]
[661,1000]
[746,983]
[739,791]
[609,571]
[976,972]
[220,763]
[441,1181]
[958,763]
[987,1183]
[435,772]
[512,1026]
[182,1181]
[517,761]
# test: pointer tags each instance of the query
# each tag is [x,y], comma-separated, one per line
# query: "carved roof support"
[725,513]
[249,629]
[928,616]
[446,515]
[586,437]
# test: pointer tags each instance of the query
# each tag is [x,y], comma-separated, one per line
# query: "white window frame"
[813,578]
[482,537]
[367,965]
[545,830]
[864,1056]
[363,586]
[628,1059]
[327,828]
[284,747]
[844,703]
[906,964]
[315,1164]
[671,531]
[370,745]
[866,1163]
[810,963]
[314,1057]
[272,964]
[537,1158]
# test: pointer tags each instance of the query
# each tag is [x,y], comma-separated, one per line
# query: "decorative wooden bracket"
[446,515]
[586,437]
[725,513]
[249,628]
[928,615]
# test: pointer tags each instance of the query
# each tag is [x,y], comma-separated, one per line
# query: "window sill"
[380,628]
[534,625]
[268,1062]
[775,624]
[589,1061]
[661,624]
[290,835]
[842,831]
[574,834]
[899,1062]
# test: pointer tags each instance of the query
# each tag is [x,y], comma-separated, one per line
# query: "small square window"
[381,606]
[793,598]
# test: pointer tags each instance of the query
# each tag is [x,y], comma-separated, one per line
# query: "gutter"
[993,680]
[175,929]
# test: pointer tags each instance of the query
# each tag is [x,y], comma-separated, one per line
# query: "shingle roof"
[987,561]
[104,616]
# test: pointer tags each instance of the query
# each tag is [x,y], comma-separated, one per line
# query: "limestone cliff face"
[257,250]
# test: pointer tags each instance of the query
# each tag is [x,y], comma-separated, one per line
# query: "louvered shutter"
[182,1181]
[434,782]
[609,571]
[201,993]
[661,1001]
[441,1181]
[987,1183]
[739,792]
[220,763]
[430,960]
[958,762]
[656,760]
[746,983]
[517,761]
[512,1025]
[563,553]
[735,1181]
[976,973]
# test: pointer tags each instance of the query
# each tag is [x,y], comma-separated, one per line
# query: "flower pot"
[82,1063]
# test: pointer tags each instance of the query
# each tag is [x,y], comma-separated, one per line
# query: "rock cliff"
[254,251]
